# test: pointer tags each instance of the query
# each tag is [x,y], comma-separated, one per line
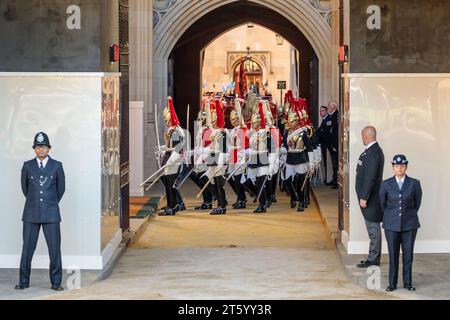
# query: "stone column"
[141,73]
[335,30]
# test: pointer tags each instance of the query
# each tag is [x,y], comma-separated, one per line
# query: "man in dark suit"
[43,184]
[369,174]
[322,135]
[400,198]
[332,141]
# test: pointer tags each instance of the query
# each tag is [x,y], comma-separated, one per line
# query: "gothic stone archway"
[310,25]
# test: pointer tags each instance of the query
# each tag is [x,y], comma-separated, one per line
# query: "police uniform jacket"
[400,207]
[43,191]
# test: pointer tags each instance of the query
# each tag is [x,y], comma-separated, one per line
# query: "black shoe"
[268,204]
[273,198]
[235,204]
[301,208]
[57,288]
[329,184]
[260,209]
[182,206]
[293,204]
[218,211]
[240,205]
[409,287]
[204,206]
[391,288]
[167,212]
[367,263]
[21,287]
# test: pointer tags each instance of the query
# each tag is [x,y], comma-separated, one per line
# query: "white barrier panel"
[68,107]
[411,113]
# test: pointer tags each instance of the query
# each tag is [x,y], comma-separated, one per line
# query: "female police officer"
[400,198]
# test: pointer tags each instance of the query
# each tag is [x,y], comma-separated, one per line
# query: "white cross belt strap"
[293,134]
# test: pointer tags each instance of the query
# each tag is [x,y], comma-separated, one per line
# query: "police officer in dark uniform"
[322,136]
[400,198]
[43,184]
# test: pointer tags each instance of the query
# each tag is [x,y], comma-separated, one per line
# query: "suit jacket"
[400,206]
[43,191]
[369,175]
[332,132]
[323,131]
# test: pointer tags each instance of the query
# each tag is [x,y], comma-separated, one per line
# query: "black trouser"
[335,162]
[272,185]
[221,195]
[238,187]
[290,183]
[52,235]
[172,194]
[307,190]
[406,239]
[261,189]
[323,147]
[299,180]
[250,187]
[178,197]
[200,182]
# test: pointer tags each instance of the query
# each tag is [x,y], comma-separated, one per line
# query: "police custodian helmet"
[41,139]
[399,159]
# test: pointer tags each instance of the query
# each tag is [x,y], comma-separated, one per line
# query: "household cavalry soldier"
[201,153]
[239,143]
[274,152]
[258,166]
[172,158]
[299,157]
[218,157]
[306,123]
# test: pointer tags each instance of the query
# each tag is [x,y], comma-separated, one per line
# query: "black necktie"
[41,166]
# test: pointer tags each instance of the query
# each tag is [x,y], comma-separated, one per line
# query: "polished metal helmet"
[256,118]
[166,115]
[213,116]
[293,116]
[234,116]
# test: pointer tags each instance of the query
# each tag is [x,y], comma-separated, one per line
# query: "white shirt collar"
[370,144]
[402,180]
[44,162]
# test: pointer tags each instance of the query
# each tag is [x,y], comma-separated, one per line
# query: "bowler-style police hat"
[399,159]
[41,139]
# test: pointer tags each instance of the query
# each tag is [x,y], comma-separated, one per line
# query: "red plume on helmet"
[220,116]
[297,108]
[173,115]
[261,115]
[289,96]
[304,105]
